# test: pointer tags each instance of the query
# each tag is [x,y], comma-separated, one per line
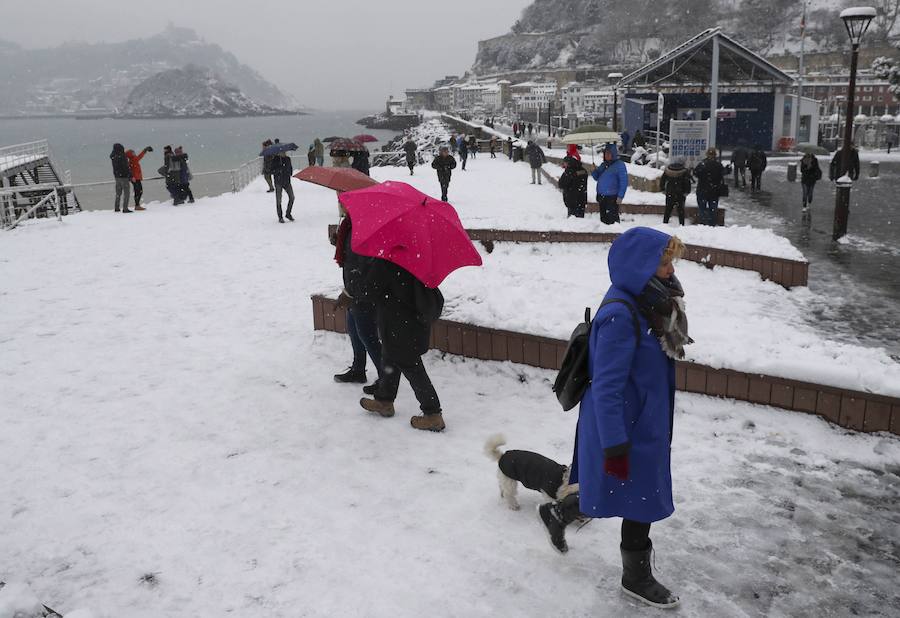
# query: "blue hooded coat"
[631,399]
[611,176]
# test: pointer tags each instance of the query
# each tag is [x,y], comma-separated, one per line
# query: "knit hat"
[572,151]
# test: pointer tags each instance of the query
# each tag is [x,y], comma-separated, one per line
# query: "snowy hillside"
[577,33]
[190,92]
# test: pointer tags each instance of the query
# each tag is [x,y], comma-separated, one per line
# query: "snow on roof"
[858,11]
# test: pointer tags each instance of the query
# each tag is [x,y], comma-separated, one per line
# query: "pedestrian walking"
[536,159]
[810,174]
[311,156]
[757,163]
[852,167]
[362,325]
[454,142]
[676,184]
[171,178]
[473,146]
[492,145]
[739,165]
[320,152]
[444,164]
[573,183]
[515,129]
[612,183]
[122,174]
[710,175]
[281,175]
[405,310]
[509,147]
[267,167]
[530,129]
[137,174]
[622,458]
[891,139]
[361,161]
[626,138]
[410,148]
[463,152]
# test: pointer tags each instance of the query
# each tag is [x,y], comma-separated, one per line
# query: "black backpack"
[573,377]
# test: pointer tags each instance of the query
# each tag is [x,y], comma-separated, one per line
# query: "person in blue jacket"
[623,441]
[612,182]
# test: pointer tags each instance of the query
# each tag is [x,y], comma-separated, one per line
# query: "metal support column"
[714,92]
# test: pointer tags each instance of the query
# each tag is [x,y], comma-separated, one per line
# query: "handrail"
[53,196]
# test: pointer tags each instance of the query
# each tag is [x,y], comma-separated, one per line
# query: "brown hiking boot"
[428,422]
[139,208]
[381,408]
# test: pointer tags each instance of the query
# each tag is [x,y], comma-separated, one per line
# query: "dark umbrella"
[337,178]
[347,145]
[332,138]
[275,149]
[364,138]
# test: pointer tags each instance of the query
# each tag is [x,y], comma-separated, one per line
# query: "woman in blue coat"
[623,442]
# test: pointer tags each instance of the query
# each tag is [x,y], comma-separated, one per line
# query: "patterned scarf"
[662,303]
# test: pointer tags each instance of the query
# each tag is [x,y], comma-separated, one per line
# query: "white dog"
[533,470]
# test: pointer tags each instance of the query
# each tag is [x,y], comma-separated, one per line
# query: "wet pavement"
[858,280]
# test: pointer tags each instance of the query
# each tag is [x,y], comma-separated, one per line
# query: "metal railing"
[8,218]
[20,154]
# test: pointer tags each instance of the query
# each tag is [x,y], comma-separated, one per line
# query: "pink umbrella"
[364,138]
[400,224]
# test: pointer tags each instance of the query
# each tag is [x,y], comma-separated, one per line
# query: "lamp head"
[857,20]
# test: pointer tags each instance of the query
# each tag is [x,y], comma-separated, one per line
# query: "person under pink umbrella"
[395,223]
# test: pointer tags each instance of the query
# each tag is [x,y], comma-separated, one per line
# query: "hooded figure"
[320,151]
[676,184]
[361,162]
[623,441]
[122,174]
[410,149]
[573,183]
[612,183]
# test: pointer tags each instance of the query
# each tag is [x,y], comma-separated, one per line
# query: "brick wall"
[854,410]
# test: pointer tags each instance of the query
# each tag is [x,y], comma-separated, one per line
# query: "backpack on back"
[574,375]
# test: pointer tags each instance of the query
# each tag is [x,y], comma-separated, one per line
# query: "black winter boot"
[556,516]
[353,376]
[638,581]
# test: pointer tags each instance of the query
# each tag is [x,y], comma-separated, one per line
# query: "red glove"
[617,467]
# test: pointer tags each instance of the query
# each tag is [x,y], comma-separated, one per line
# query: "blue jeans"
[807,192]
[363,331]
[707,211]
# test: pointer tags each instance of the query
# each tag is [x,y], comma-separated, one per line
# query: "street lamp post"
[857,21]
[617,77]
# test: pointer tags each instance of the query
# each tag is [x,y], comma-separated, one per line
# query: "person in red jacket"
[134,161]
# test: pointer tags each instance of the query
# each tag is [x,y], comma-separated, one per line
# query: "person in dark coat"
[454,142]
[810,174]
[170,179]
[853,168]
[186,175]
[405,312]
[710,174]
[311,156]
[573,183]
[676,184]
[463,151]
[175,163]
[515,128]
[530,129]
[122,174]
[444,164]
[612,183]
[739,158]
[492,146]
[281,174]
[626,138]
[410,149]
[267,167]
[622,458]
[361,161]
[473,146]
[362,323]
[536,159]
[509,148]
[757,163]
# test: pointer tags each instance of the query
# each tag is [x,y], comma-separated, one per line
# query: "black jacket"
[573,183]
[410,148]
[406,309]
[739,157]
[355,269]
[120,166]
[757,161]
[852,171]
[444,167]
[809,174]
[282,170]
[709,173]
[361,162]
[675,181]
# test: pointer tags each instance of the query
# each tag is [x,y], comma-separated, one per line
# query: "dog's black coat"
[533,470]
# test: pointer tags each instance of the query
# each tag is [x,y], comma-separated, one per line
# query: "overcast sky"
[348,54]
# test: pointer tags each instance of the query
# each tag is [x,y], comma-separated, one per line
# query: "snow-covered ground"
[173,445]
